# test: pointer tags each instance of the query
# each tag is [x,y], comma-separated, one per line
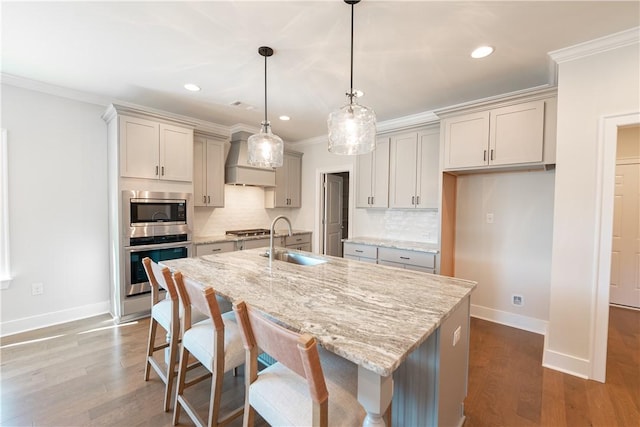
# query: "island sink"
[295,258]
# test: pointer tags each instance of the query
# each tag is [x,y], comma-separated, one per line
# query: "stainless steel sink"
[295,258]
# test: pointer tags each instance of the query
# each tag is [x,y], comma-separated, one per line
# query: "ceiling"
[410,57]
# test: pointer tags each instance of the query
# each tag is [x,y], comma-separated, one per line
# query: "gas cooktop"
[249,232]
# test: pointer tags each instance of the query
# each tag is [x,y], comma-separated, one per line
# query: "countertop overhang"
[372,315]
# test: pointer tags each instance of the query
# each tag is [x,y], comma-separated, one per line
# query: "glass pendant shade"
[265,149]
[352,130]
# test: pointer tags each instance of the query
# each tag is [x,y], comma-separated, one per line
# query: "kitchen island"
[390,322]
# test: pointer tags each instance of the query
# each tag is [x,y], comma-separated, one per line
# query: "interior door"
[625,256]
[333,215]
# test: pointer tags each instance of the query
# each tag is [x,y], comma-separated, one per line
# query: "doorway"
[334,212]
[607,145]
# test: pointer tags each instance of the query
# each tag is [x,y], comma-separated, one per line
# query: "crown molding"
[63,92]
[596,46]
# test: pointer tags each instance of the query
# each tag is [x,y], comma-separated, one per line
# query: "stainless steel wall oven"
[156,225]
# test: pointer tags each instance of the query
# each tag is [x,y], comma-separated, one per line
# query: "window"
[5,272]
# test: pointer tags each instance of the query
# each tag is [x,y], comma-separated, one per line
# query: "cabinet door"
[294,175]
[215,173]
[138,148]
[428,164]
[466,140]
[403,171]
[199,172]
[380,174]
[517,134]
[176,153]
[280,191]
[364,175]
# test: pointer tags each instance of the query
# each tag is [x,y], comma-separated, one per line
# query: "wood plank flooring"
[90,373]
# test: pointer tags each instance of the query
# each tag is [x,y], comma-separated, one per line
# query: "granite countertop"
[370,314]
[395,244]
[202,240]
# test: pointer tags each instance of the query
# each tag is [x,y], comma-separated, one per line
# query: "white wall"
[588,88]
[512,255]
[57,152]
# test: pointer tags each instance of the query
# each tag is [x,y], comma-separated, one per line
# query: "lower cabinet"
[215,248]
[259,243]
[411,260]
[365,253]
[301,242]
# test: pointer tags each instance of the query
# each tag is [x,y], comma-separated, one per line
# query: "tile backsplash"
[410,225]
[244,208]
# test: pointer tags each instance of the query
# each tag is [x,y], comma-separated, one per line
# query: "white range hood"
[239,172]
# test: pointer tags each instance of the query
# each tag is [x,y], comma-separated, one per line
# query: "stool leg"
[153,326]
[171,369]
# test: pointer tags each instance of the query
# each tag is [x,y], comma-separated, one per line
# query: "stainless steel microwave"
[153,213]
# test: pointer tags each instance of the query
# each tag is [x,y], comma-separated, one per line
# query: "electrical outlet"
[489,218]
[456,335]
[37,288]
[517,300]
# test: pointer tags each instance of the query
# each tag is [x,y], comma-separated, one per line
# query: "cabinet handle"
[484,156]
[359,251]
[204,199]
[216,250]
[417,200]
[492,154]
[208,199]
[156,170]
[162,171]
[413,200]
[299,240]
[372,199]
[405,257]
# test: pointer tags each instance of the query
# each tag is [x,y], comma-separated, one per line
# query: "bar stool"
[300,389]
[215,342]
[166,313]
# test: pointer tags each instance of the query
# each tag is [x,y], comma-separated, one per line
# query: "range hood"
[239,172]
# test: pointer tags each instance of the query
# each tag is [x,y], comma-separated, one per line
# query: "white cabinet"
[413,175]
[153,150]
[302,242]
[510,135]
[411,260]
[208,171]
[215,248]
[365,253]
[287,192]
[372,177]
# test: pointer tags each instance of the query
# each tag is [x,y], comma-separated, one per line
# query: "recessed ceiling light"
[482,52]
[285,118]
[192,87]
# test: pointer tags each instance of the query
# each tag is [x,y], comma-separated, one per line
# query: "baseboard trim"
[565,363]
[518,321]
[25,324]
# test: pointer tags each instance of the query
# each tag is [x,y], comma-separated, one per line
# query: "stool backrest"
[157,280]
[298,352]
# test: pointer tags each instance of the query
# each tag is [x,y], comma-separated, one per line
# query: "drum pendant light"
[265,149]
[352,128]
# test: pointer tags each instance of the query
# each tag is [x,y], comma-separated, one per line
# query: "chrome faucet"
[272,232]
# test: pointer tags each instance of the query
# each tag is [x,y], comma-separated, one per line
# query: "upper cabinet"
[513,133]
[413,177]
[287,192]
[372,177]
[155,150]
[208,171]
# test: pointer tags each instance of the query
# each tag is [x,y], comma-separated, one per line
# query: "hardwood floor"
[90,372]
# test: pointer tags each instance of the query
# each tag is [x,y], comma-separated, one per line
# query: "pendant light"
[265,148]
[352,128]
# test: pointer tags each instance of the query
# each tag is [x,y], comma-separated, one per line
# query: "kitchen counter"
[372,315]
[395,244]
[203,240]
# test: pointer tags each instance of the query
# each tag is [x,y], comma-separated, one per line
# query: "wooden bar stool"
[298,390]
[216,343]
[166,313]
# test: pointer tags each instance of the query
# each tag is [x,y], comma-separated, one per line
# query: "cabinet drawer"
[420,259]
[215,248]
[357,250]
[297,239]
[301,247]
